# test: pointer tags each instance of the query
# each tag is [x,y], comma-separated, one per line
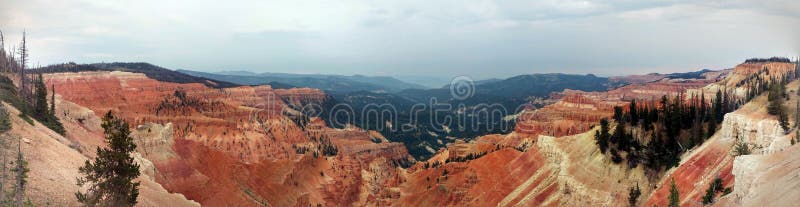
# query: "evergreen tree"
[783,120]
[618,114]
[674,198]
[717,108]
[634,114]
[21,170]
[110,177]
[712,127]
[53,100]
[775,98]
[601,136]
[713,188]
[40,94]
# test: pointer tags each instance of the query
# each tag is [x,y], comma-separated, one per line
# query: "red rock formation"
[236,145]
[243,145]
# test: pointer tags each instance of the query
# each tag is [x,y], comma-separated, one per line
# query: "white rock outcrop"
[764,136]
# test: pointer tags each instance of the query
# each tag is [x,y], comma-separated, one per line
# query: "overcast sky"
[482,39]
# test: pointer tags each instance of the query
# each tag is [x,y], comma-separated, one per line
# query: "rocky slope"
[54,167]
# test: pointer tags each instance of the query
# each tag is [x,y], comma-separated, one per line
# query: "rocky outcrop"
[574,113]
[764,135]
[766,180]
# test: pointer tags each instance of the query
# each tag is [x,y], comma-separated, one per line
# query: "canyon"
[257,146]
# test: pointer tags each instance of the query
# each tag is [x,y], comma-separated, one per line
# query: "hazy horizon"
[483,39]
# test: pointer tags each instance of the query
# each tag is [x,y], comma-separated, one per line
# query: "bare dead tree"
[3,56]
[23,60]
[2,42]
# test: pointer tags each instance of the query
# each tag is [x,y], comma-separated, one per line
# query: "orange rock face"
[237,145]
[577,111]
[574,113]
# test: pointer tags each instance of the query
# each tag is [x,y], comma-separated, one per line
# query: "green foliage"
[601,136]
[40,108]
[714,188]
[40,97]
[5,122]
[8,94]
[797,114]
[674,197]
[26,118]
[110,177]
[21,170]
[777,94]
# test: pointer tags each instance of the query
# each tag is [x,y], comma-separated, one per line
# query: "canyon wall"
[246,145]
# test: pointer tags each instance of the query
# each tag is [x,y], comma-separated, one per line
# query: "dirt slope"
[54,167]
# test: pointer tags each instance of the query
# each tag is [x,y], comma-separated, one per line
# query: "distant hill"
[150,70]
[336,83]
[511,93]
[427,81]
[516,90]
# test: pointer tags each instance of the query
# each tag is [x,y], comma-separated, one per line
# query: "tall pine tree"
[110,177]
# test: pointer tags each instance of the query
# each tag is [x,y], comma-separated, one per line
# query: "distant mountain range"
[335,83]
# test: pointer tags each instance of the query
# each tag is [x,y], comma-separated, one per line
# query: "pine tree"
[674,198]
[53,100]
[717,108]
[110,177]
[21,170]
[634,114]
[40,94]
[775,98]
[601,136]
[797,114]
[783,120]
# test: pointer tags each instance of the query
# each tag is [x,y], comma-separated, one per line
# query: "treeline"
[30,98]
[149,70]
[772,59]
[656,134]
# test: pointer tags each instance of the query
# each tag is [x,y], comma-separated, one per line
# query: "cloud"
[482,38]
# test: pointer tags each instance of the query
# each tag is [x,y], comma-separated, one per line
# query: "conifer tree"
[53,100]
[601,136]
[40,93]
[634,114]
[21,170]
[110,177]
[674,198]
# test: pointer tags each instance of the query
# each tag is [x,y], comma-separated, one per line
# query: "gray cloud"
[478,38]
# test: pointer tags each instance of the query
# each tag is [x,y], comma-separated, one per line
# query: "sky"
[480,39]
